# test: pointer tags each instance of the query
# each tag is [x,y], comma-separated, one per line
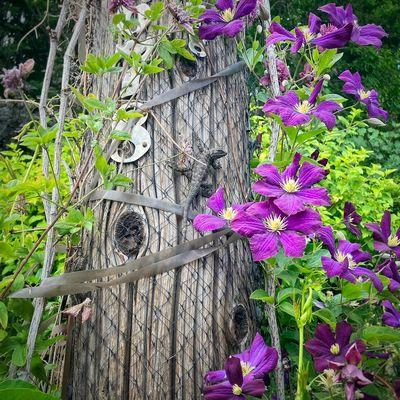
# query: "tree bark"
[156,338]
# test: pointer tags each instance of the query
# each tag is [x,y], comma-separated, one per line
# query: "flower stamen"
[275,223]
[228,214]
[364,94]
[335,349]
[304,107]
[236,390]
[393,241]
[227,15]
[290,185]
[246,368]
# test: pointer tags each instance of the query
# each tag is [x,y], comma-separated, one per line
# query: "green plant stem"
[299,393]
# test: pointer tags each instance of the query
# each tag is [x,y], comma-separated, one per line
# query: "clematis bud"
[259,28]
[327,77]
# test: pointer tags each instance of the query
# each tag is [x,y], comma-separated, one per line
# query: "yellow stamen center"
[308,36]
[275,223]
[340,257]
[304,107]
[393,241]
[237,390]
[290,185]
[227,15]
[246,368]
[228,214]
[335,349]
[364,94]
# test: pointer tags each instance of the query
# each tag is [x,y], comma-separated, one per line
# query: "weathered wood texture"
[155,339]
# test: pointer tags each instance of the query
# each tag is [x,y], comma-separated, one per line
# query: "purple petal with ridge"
[267,189]
[335,39]
[207,222]
[269,172]
[310,174]
[224,4]
[293,244]
[233,28]
[307,221]
[247,225]
[211,15]
[210,32]
[264,246]
[217,201]
[245,7]
[233,370]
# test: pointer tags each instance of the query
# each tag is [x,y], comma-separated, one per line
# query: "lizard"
[202,161]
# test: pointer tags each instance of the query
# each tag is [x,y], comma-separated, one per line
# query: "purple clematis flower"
[257,361]
[237,386]
[283,75]
[292,189]
[385,240]
[208,222]
[269,229]
[389,269]
[391,316]
[329,350]
[332,39]
[354,86]
[353,376]
[226,19]
[370,34]
[351,218]
[321,161]
[345,259]
[294,111]
[115,5]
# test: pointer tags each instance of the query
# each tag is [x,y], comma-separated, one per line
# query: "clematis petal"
[332,267]
[336,14]
[293,118]
[279,34]
[386,224]
[264,246]
[233,370]
[317,347]
[314,23]
[263,209]
[325,233]
[307,221]
[207,222]
[266,189]
[291,170]
[269,172]
[217,201]
[290,203]
[335,39]
[299,41]
[321,364]
[316,91]
[324,112]
[315,196]
[346,247]
[210,32]
[211,15]
[254,387]
[247,225]
[224,4]
[233,28]
[353,356]
[376,230]
[352,83]
[324,333]
[244,7]
[343,333]
[369,34]
[213,377]
[293,244]
[361,271]
[222,391]
[265,358]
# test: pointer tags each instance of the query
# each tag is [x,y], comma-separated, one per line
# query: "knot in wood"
[129,233]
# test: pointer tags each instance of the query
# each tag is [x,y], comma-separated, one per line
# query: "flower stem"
[300,378]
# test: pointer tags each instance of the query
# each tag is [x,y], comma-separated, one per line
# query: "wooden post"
[155,339]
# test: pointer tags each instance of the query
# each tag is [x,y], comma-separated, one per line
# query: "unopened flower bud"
[329,294]
[259,28]
[285,83]
[327,77]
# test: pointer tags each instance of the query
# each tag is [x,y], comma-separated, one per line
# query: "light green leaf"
[3,315]
[262,295]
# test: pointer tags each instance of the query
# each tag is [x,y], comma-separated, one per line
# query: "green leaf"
[123,114]
[285,293]
[16,383]
[18,357]
[287,308]
[262,295]
[24,394]
[3,335]
[327,316]
[3,315]
[381,334]
[357,291]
